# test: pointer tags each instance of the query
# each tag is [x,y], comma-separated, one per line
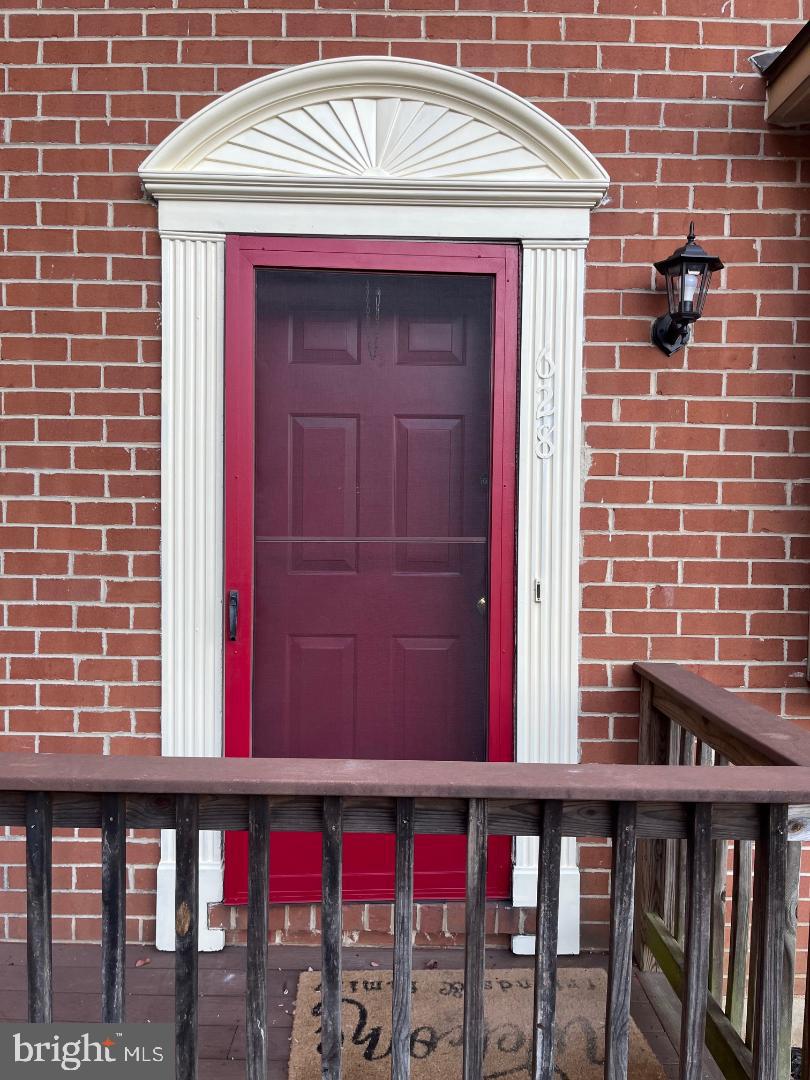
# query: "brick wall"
[695,525]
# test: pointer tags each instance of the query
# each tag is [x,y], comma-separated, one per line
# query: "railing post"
[474,944]
[186,903]
[331,935]
[258,896]
[113,906]
[38,846]
[772,865]
[794,863]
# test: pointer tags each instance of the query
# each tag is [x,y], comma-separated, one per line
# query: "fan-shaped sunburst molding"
[374,124]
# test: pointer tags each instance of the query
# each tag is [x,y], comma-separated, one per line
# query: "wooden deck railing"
[261,796]
[685,721]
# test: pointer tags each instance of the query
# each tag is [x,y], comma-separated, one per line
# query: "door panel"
[372,479]
[428,491]
[313,663]
[323,491]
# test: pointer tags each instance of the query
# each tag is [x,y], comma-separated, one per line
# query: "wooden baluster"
[696,975]
[686,756]
[113,906]
[717,933]
[475,940]
[772,867]
[673,847]
[617,1022]
[186,905]
[331,936]
[258,897]
[688,748]
[794,862]
[740,924]
[805,1070]
[545,951]
[38,836]
[652,885]
[717,936]
[403,959]
[753,951]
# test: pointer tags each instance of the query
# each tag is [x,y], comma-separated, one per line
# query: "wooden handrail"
[90,774]
[746,733]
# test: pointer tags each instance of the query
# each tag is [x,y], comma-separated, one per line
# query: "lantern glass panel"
[686,288]
[704,288]
[673,279]
[691,285]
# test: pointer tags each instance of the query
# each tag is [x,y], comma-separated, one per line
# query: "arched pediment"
[375,127]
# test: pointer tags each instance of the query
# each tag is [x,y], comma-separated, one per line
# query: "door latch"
[233,613]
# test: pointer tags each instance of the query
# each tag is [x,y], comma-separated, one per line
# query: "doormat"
[436,1027]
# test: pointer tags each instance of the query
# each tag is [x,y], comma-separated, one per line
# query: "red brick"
[684,597]
[682,648]
[719,465]
[46,668]
[602,29]
[38,511]
[303,25]
[475,27]
[36,720]
[39,615]
[390,27]
[40,25]
[65,744]
[196,24]
[651,465]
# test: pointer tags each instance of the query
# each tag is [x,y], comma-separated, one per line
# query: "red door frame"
[244,254]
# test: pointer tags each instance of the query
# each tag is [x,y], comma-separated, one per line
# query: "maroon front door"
[372,480]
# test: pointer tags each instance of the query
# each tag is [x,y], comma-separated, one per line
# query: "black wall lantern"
[687,273]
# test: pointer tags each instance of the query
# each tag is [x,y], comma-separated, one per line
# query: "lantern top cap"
[689,252]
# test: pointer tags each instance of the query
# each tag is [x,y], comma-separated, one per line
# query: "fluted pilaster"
[548,538]
[192,538]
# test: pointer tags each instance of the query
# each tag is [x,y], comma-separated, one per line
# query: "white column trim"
[548,544]
[191,540]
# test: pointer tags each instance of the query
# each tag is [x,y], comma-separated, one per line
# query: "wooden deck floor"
[150,994]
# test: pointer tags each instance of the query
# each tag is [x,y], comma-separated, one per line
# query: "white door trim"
[383,148]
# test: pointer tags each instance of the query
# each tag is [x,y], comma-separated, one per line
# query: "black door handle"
[233,613]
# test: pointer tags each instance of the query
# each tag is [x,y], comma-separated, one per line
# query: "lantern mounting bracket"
[670,336]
